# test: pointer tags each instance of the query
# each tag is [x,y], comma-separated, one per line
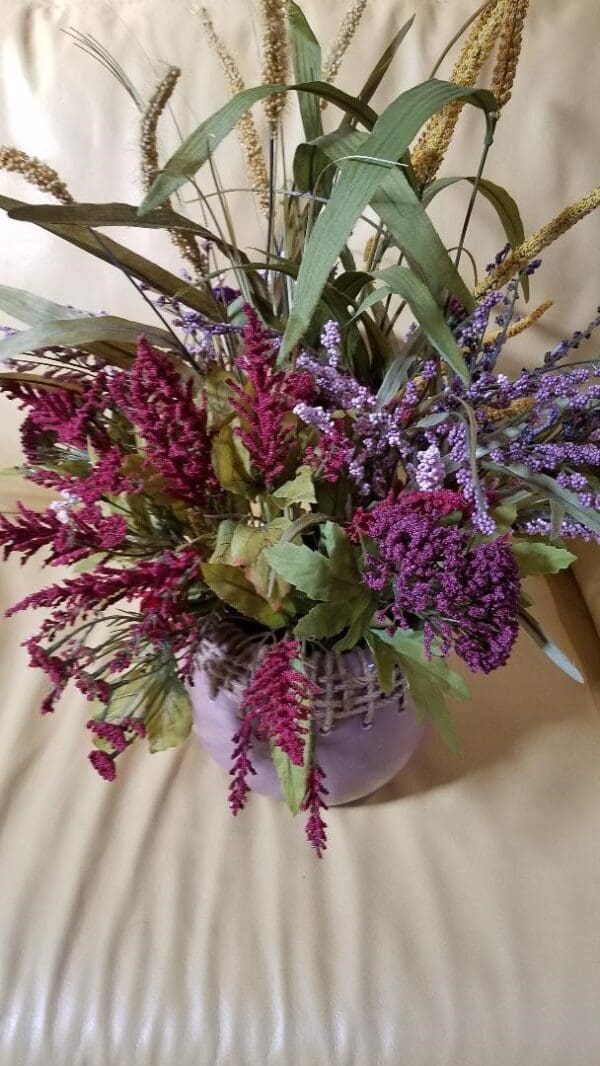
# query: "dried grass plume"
[39,174]
[509,50]
[429,152]
[541,239]
[275,54]
[524,323]
[246,128]
[346,31]
[184,242]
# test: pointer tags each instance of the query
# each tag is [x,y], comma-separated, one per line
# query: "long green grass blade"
[201,144]
[397,206]
[358,183]
[306,59]
[503,203]
[109,251]
[34,310]
[382,66]
[402,282]
[81,331]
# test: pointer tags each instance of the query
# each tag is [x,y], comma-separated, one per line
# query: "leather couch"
[454,920]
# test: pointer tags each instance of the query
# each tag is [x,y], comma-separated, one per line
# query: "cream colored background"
[454,921]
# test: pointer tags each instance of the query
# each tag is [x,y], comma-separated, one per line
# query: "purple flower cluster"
[430,471]
[430,572]
[561,350]
[375,436]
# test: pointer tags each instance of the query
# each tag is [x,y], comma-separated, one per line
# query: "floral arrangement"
[327,453]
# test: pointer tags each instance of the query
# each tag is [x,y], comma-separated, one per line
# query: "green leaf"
[228,460]
[404,283]
[306,570]
[306,59]
[363,605]
[216,388]
[357,185]
[386,661]
[505,515]
[341,552]
[428,697]
[429,681]
[300,490]
[34,310]
[409,645]
[84,566]
[169,721]
[249,541]
[221,552]
[505,207]
[398,208]
[292,778]
[549,648]
[202,143]
[326,620]
[117,255]
[535,557]
[132,695]
[230,585]
[72,332]
[383,64]
[160,700]
[552,491]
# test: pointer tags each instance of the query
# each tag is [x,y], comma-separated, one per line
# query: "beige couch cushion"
[454,920]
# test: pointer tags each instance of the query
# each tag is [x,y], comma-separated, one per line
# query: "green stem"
[490,126]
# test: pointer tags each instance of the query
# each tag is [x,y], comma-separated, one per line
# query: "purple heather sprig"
[561,350]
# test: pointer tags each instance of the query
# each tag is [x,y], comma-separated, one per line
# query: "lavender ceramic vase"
[362,742]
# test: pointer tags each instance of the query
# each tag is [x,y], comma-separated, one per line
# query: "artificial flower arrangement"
[281,450]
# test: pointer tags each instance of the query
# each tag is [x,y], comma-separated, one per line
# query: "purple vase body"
[356,758]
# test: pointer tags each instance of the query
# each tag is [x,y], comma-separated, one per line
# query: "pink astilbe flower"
[104,764]
[241,766]
[161,586]
[174,426]
[118,735]
[27,532]
[266,404]
[277,706]
[157,579]
[332,456]
[314,803]
[70,416]
[55,668]
[85,532]
[106,478]
[280,697]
